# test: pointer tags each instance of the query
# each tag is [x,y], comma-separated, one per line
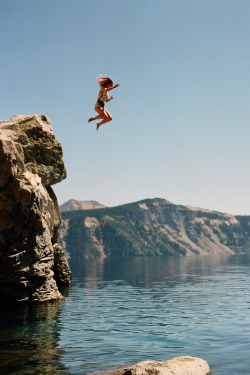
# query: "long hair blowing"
[104,80]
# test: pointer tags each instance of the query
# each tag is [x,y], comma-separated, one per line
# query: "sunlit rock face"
[177,366]
[153,227]
[32,263]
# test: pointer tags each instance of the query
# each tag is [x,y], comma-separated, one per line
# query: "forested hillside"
[153,227]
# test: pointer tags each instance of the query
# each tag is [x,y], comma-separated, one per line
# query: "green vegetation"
[151,227]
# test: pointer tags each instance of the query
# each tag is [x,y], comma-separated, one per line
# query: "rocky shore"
[177,366]
[32,262]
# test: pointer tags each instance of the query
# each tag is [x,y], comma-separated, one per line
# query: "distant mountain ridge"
[153,227]
[74,204]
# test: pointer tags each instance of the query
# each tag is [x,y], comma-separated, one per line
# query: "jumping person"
[106,85]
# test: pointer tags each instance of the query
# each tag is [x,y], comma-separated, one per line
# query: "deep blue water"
[121,311]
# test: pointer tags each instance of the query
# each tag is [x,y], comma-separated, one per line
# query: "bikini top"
[103,95]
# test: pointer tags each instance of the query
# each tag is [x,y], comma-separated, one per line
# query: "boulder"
[32,262]
[177,366]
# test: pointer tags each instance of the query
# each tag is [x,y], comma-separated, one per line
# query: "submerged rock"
[32,262]
[176,366]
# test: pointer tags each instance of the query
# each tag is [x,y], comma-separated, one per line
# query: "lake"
[122,311]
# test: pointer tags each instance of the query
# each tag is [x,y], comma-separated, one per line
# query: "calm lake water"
[121,311]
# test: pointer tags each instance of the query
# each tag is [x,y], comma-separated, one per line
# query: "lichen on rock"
[32,262]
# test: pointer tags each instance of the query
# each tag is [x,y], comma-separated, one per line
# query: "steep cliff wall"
[32,262]
[153,227]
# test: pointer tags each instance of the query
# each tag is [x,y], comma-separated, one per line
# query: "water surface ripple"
[128,310]
[121,311]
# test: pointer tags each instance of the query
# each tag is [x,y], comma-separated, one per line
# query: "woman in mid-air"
[106,85]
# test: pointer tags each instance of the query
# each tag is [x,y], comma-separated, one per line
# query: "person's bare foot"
[97,127]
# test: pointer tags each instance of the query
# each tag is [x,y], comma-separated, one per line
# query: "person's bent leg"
[106,119]
[101,113]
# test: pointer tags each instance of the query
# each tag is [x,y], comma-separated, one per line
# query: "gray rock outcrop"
[177,366]
[32,262]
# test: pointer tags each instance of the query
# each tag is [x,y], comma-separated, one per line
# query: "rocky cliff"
[73,205]
[32,262]
[153,227]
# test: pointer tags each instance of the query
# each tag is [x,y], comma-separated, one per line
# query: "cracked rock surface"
[185,365]
[32,263]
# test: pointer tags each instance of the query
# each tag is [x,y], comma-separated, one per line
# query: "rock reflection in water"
[146,271]
[29,341]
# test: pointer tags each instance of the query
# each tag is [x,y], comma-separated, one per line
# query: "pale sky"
[180,128]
